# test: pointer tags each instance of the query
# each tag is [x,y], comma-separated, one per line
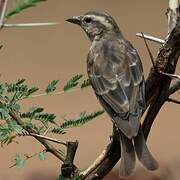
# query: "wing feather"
[117,77]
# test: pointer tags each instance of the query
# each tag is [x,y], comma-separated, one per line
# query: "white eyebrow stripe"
[101,19]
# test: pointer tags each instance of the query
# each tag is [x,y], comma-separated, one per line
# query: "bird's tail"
[127,155]
[143,153]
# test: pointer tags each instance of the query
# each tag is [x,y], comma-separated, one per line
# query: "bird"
[115,73]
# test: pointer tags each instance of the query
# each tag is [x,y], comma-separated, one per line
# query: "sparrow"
[116,74]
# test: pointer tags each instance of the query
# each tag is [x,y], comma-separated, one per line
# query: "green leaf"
[82,119]
[19,162]
[51,86]
[45,117]
[20,81]
[16,107]
[35,109]
[14,126]
[42,156]
[31,91]
[20,5]
[73,82]
[11,88]
[85,84]
[4,111]
[32,111]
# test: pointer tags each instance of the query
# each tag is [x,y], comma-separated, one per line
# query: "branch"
[149,51]
[51,94]
[157,85]
[172,75]
[3,7]
[46,138]
[49,147]
[27,25]
[95,164]
[28,157]
[175,87]
[108,159]
[173,101]
[68,169]
[172,14]
[151,38]
[165,62]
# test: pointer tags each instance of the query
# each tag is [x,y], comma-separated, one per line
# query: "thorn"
[149,51]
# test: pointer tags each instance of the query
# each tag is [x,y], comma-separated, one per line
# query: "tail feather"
[127,156]
[143,154]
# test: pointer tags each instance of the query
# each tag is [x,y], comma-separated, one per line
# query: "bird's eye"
[88,20]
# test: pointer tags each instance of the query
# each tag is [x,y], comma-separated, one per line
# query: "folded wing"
[117,78]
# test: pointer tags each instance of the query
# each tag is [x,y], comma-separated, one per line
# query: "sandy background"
[59,52]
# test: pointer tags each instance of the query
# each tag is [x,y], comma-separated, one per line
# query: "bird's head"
[95,24]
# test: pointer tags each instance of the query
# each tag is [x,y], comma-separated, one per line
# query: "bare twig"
[172,75]
[27,25]
[27,157]
[51,94]
[95,164]
[48,138]
[174,88]
[173,101]
[151,38]
[111,157]
[47,130]
[150,54]
[3,11]
[49,147]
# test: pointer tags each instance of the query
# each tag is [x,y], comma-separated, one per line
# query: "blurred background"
[41,54]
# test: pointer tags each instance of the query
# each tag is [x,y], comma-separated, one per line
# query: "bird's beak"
[75,20]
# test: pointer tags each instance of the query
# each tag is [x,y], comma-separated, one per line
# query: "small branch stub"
[172,14]
[68,168]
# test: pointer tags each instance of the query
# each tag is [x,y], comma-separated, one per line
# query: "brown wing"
[117,78]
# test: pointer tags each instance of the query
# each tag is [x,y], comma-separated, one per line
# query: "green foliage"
[73,82]
[14,127]
[45,117]
[82,119]
[36,119]
[52,86]
[4,111]
[19,161]
[20,5]
[32,112]
[13,92]
[42,155]
[37,114]
[85,84]
[8,130]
